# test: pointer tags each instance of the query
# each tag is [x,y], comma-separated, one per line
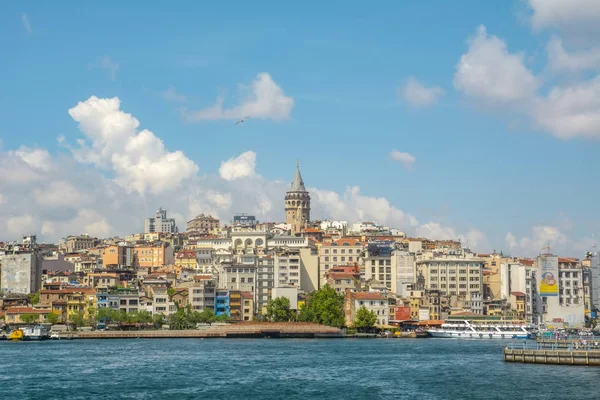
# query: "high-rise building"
[160,223]
[297,204]
[594,281]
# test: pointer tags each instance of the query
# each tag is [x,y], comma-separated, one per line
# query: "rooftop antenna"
[547,248]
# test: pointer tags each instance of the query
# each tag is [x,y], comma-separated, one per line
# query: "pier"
[242,330]
[543,354]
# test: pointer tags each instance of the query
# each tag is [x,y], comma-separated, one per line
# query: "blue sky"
[486,161]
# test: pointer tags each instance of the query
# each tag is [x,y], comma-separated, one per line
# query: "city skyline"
[489,138]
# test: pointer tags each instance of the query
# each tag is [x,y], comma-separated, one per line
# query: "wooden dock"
[241,330]
[549,356]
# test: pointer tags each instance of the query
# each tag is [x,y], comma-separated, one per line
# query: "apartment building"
[375,302]
[452,275]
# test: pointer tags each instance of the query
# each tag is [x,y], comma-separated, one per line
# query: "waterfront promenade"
[242,330]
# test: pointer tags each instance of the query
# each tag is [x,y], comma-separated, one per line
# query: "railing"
[529,345]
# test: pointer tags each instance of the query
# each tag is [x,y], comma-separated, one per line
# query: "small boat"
[54,336]
[16,335]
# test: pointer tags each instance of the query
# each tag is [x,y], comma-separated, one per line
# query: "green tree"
[52,318]
[91,316]
[278,310]
[324,306]
[34,298]
[77,319]
[171,292]
[179,320]
[29,318]
[158,320]
[222,318]
[364,319]
[207,316]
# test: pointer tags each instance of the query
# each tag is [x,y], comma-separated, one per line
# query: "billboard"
[381,249]
[548,275]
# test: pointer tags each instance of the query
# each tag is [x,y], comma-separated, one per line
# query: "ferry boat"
[466,329]
[37,332]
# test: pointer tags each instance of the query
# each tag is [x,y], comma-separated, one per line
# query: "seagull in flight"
[242,120]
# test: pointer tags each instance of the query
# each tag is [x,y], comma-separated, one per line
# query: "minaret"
[297,203]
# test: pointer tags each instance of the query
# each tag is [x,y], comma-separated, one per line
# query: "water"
[281,369]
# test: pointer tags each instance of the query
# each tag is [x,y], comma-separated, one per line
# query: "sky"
[474,120]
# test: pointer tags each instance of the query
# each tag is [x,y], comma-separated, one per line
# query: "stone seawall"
[242,330]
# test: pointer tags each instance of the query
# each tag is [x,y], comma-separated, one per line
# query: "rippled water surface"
[281,369]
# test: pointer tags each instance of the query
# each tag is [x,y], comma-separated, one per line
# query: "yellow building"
[247,306]
[14,315]
[186,259]
[117,257]
[153,256]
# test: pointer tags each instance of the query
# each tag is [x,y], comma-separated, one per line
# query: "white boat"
[466,329]
[37,332]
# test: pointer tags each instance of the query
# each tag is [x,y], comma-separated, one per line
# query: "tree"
[222,318]
[144,317]
[278,310]
[179,320]
[34,298]
[207,316]
[158,320]
[171,292]
[364,319]
[77,319]
[324,306]
[52,318]
[29,318]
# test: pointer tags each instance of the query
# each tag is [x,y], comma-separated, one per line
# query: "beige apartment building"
[453,276]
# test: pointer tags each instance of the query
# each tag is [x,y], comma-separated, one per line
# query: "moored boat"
[466,329]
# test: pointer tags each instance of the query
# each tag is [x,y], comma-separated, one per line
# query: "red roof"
[520,294]
[247,295]
[526,261]
[68,291]
[367,296]
[342,275]
[567,260]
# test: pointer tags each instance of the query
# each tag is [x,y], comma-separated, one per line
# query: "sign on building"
[424,314]
[548,273]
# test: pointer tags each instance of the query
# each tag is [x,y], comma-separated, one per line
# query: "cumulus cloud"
[419,95]
[238,167]
[562,61]
[139,159]
[406,159]
[20,225]
[60,194]
[37,158]
[108,64]
[571,110]
[577,19]
[26,23]
[541,236]
[170,94]
[266,100]
[489,73]
[354,206]
[473,238]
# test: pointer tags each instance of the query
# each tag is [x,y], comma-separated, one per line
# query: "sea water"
[282,369]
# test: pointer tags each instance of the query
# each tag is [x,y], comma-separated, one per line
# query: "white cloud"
[569,111]
[266,101]
[37,158]
[541,236]
[20,226]
[406,159]
[238,167]
[473,238]
[418,95]
[170,94]
[577,19]
[560,60]
[354,206]
[108,64]
[487,72]
[26,23]
[60,194]
[138,158]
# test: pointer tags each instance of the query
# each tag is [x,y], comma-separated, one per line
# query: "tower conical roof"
[298,183]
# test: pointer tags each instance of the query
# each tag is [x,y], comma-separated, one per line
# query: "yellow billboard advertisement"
[548,277]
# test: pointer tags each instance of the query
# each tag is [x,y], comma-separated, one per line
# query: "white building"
[160,223]
[291,293]
[560,287]
[375,302]
[20,272]
[237,277]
